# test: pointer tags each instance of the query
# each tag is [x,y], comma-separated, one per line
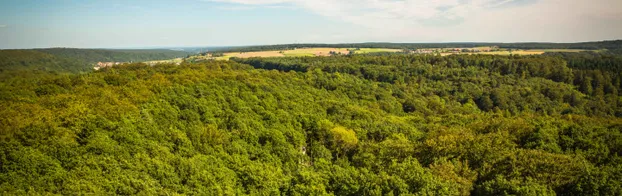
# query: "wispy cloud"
[3,26]
[463,20]
[244,7]
[279,7]
[252,2]
[383,13]
[130,6]
[235,8]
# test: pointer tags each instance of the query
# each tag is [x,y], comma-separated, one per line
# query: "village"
[101,65]
[310,52]
[453,50]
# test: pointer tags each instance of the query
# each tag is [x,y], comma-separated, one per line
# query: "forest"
[369,124]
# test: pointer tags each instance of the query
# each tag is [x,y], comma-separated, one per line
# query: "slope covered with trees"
[115,55]
[343,125]
[76,60]
[35,60]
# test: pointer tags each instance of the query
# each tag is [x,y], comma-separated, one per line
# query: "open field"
[302,52]
[255,54]
[559,50]
[520,52]
[533,51]
[372,50]
[316,51]
[176,61]
[310,52]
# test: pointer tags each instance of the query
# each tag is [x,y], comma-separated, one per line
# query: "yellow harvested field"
[301,52]
[521,52]
[176,61]
[518,52]
[483,48]
[559,50]
[317,51]
[255,54]
[530,52]
[507,51]
[371,50]
[309,52]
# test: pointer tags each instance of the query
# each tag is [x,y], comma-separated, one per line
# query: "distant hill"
[611,45]
[36,60]
[77,60]
[108,55]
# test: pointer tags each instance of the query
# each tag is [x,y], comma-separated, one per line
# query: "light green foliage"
[343,138]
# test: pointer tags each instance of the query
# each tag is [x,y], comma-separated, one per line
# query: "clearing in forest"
[310,52]
[300,52]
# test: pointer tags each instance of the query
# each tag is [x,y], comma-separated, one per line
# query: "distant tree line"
[610,45]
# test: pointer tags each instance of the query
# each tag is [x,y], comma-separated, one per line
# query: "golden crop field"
[519,52]
[310,52]
[372,50]
[176,61]
[255,54]
[300,52]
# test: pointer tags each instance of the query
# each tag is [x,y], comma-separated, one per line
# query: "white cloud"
[252,2]
[469,20]
[235,8]
[3,26]
[279,7]
[386,13]
[251,7]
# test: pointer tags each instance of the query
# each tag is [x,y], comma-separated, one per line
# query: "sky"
[187,23]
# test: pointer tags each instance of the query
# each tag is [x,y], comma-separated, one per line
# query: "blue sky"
[176,23]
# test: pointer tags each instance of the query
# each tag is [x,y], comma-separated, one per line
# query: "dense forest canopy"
[384,124]
[115,55]
[610,45]
[77,60]
[35,60]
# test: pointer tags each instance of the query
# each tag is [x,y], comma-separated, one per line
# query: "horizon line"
[309,43]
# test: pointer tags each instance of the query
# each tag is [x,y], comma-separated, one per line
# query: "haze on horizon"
[167,23]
